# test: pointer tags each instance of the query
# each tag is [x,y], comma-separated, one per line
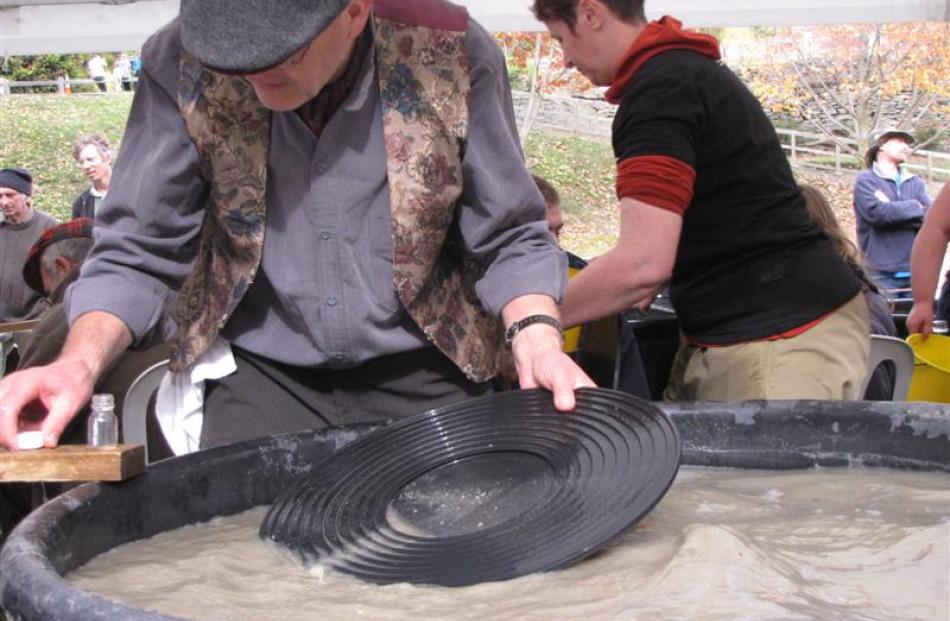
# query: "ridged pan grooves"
[605,466]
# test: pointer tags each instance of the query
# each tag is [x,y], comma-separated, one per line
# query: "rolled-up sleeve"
[146,233]
[502,213]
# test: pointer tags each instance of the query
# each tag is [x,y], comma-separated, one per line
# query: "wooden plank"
[19,326]
[73,463]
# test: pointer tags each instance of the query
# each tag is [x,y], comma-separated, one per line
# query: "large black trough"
[71,529]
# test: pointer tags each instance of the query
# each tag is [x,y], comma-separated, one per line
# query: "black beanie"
[17,179]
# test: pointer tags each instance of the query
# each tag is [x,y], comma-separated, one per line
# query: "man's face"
[94,164]
[581,52]
[301,77]
[896,149]
[555,220]
[15,206]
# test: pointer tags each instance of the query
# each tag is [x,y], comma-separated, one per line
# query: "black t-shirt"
[751,262]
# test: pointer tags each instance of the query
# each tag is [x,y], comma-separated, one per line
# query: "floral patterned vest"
[424,85]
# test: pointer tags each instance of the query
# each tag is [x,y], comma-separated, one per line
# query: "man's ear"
[591,14]
[358,12]
[63,265]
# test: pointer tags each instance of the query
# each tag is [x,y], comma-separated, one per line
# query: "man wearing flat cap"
[336,190]
[889,204]
[20,227]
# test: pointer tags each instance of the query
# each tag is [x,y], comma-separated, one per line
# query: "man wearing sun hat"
[889,203]
[20,226]
[376,144]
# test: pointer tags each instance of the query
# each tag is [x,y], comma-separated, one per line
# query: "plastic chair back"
[135,405]
[889,348]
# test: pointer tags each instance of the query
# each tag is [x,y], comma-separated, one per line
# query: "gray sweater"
[17,300]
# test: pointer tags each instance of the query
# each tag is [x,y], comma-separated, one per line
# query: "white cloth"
[179,402]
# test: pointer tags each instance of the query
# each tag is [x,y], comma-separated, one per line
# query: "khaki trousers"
[828,362]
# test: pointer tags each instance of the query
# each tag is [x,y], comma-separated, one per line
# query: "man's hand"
[44,398]
[539,354]
[542,363]
[921,317]
[47,398]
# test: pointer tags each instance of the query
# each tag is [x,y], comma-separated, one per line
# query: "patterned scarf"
[317,112]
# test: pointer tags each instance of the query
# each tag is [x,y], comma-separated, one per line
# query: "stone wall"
[590,118]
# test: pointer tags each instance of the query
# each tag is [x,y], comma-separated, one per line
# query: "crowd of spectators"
[121,77]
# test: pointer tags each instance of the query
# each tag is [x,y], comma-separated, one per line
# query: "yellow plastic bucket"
[931,378]
[572,336]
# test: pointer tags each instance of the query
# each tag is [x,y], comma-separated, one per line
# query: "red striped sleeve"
[657,180]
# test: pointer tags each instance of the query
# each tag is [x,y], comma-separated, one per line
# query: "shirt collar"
[902,173]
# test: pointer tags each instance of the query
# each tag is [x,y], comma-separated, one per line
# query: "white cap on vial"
[29,440]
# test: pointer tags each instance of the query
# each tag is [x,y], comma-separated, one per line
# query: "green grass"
[37,133]
[583,172]
[847,163]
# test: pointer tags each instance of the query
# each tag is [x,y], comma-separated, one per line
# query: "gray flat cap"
[244,36]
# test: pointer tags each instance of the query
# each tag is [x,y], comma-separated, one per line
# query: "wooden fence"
[587,118]
[816,151]
[63,86]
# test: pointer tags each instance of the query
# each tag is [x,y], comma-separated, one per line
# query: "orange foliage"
[849,80]
[519,48]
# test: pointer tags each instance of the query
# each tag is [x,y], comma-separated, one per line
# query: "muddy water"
[723,544]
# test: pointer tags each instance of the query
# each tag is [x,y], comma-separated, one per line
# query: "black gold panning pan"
[487,489]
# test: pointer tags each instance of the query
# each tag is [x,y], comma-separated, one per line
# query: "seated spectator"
[926,258]
[20,228]
[552,204]
[94,156]
[881,386]
[889,204]
[52,265]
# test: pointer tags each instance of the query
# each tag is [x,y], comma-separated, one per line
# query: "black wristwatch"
[530,320]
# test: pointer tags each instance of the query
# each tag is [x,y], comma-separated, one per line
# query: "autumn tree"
[849,81]
[536,64]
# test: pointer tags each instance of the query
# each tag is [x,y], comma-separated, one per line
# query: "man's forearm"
[632,272]
[925,261]
[607,286]
[95,340]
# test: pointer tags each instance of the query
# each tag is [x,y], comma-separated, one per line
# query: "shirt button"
[321,168]
[339,357]
[331,301]
[325,235]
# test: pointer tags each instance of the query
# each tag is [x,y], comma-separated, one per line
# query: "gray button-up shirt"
[324,294]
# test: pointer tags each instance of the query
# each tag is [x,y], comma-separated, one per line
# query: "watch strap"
[530,320]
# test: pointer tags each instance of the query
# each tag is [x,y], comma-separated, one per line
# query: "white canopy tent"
[71,26]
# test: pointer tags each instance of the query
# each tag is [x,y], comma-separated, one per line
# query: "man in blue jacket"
[889,203]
